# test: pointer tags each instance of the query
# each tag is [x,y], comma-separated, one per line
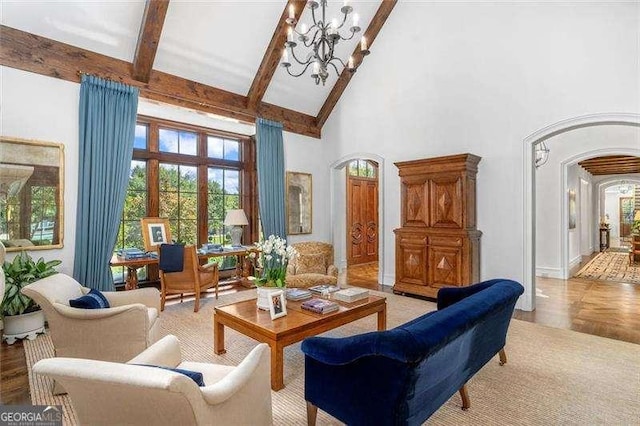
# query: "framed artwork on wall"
[155,231]
[299,203]
[572,209]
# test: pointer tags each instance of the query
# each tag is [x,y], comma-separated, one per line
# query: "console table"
[243,266]
[604,238]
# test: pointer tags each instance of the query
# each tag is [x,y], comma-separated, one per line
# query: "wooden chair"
[194,278]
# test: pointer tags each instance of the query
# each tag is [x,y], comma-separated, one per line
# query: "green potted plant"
[272,259]
[22,317]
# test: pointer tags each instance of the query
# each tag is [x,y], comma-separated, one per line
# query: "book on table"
[295,294]
[320,306]
[320,289]
[351,294]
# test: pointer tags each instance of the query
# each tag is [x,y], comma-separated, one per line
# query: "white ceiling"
[106,27]
[218,43]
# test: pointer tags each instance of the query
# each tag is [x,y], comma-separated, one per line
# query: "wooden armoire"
[438,244]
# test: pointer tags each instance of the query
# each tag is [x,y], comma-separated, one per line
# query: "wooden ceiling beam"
[150,30]
[30,52]
[272,56]
[345,77]
[609,160]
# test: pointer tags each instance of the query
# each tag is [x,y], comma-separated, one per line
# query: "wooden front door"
[362,212]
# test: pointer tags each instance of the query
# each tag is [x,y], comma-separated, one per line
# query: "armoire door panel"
[415,209]
[446,202]
[411,264]
[445,266]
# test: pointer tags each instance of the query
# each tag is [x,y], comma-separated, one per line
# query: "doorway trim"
[565,262]
[527,301]
[338,218]
[600,187]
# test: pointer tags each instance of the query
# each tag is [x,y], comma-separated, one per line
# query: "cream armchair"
[117,333]
[312,266]
[110,393]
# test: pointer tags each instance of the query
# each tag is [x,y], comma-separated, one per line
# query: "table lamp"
[236,218]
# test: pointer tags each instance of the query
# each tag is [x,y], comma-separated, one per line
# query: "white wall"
[575,175]
[446,78]
[44,108]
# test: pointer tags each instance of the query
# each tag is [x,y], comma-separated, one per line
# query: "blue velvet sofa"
[402,376]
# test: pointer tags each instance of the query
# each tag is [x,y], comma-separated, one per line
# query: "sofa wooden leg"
[163,299]
[503,357]
[312,413]
[465,398]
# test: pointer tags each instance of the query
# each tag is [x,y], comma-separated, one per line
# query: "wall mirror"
[31,194]
[299,203]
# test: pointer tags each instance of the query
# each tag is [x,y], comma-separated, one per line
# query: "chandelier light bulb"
[351,62]
[363,43]
[291,12]
[303,28]
[316,69]
[285,56]
[356,19]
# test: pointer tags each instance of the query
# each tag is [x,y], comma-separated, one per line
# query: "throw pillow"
[92,300]
[193,375]
[312,263]
[171,258]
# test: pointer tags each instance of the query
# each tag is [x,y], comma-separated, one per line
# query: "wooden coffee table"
[298,324]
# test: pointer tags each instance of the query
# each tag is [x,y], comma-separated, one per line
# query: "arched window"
[363,168]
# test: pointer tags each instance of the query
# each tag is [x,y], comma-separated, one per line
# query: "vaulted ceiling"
[218,56]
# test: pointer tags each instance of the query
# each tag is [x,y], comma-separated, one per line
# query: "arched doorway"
[338,185]
[529,146]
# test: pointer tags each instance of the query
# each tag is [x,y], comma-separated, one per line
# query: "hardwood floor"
[601,308]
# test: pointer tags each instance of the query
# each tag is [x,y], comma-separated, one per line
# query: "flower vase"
[264,293]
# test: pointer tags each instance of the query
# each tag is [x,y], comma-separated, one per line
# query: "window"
[169,179]
[363,168]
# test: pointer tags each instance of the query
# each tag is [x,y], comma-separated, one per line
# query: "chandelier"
[321,39]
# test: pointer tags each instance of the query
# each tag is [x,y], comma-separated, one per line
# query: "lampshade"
[637,216]
[236,217]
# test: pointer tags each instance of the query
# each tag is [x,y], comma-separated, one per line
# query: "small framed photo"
[155,231]
[277,306]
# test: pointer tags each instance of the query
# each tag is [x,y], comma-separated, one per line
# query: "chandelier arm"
[313,17]
[293,54]
[313,39]
[335,68]
[344,19]
[305,33]
[345,38]
[302,72]
[339,60]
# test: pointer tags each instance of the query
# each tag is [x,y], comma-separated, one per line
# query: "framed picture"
[572,209]
[299,203]
[155,231]
[277,307]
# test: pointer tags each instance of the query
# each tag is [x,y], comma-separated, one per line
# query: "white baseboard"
[574,264]
[549,272]
[389,280]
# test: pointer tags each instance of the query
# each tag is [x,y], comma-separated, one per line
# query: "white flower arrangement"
[273,257]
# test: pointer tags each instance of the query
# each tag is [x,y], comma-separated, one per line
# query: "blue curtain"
[270,162]
[107,129]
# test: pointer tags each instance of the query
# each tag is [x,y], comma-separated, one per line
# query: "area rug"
[553,376]
[611,266]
